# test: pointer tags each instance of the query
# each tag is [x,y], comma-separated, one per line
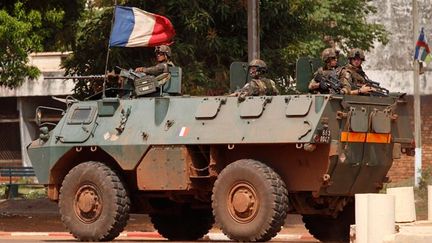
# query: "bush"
[2,191]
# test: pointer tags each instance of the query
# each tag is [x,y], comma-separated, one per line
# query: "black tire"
[250,201]
[186,225]
[93,202]
[329,229]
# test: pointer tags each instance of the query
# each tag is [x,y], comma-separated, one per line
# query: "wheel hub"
[243,202]
[87,204]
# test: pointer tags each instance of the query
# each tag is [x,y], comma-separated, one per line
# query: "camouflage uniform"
[158,69]
[161,70]
[355,76]
[161,67]
[257,85]
[261,86]
[326,72]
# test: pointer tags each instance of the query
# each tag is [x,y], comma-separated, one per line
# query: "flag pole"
[417,114]
[108,52]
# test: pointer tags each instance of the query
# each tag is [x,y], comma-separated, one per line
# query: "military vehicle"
[191,161]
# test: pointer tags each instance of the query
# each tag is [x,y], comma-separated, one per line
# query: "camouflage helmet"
[356,52]
[258,63]
[328,53]
[164,49]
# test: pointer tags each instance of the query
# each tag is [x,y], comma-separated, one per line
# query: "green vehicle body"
[323,148]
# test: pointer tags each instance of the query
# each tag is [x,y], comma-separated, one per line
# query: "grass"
[26,192]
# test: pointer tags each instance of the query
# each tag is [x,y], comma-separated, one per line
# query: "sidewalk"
[212,236]
[418,232]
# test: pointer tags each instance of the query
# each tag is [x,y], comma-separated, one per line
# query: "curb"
[151,235]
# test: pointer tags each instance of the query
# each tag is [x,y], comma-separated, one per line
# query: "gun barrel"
[78,77]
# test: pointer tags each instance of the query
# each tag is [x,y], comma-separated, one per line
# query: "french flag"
[134,27]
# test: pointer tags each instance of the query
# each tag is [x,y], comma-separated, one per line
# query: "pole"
[417,114]
[253,30]
[108,52]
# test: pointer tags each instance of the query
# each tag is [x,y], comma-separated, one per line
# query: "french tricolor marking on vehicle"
[184,132]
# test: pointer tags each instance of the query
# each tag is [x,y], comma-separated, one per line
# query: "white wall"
[49,65]
[391,65]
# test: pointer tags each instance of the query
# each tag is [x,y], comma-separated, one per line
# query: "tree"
[211,34]
[17,39]
[23,29]
[59,20]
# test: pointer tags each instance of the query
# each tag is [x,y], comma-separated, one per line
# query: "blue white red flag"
[134,27]
[422,51]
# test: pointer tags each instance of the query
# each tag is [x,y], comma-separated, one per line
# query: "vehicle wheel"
[93,202]
[250,201]
[186,225]
[329,229]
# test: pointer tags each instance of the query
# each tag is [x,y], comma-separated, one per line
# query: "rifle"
[378,90]
[143,83]
[331,81]
[125,73]
[92,77]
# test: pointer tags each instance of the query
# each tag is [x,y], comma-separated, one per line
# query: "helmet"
[328,53]
[258,63]
[164,49]
[356,52]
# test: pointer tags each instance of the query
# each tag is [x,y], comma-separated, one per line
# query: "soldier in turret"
[163,56]
[326,79]
[258,85]
[161,70]
[353,73]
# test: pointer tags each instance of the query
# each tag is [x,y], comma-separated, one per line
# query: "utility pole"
[417,115]
[253,29]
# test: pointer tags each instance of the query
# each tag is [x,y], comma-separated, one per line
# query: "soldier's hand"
[324,85]
[235,94]
[365,89]
[241,98]
[139,69]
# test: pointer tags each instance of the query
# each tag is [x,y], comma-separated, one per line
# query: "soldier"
[353,73]
[163,56]
[161,70]
[330,72]
[257,85]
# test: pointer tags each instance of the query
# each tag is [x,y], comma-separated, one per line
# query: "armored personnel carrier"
[191,161]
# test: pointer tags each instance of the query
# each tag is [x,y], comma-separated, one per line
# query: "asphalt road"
[39,221]
[68,239]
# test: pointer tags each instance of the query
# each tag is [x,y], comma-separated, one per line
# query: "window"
[82,115]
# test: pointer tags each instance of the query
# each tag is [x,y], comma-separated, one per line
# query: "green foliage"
[30,26]
[33,192]
[17,40]
[212,34]
[59,21]
[27,192]
[2,191]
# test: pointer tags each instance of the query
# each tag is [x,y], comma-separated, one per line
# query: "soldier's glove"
[241,98]
[318,78]
[324,86]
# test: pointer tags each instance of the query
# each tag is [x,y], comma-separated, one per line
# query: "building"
[392,66]
[17,113]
